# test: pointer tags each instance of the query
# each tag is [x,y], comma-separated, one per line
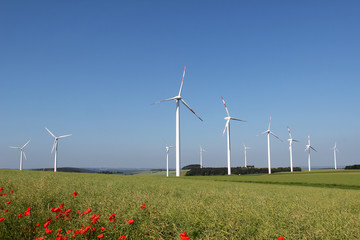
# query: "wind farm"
[183,168]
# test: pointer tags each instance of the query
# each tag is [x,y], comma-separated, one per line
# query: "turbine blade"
[26,144]
[14,147]
[227,111]
[313,148]
[275,136]
[68,135]
[261,133]
[294,140]
[238,119]
[168,99]
[289,132]
[269,122]
[226,125]
[53,147]
[50,133]
[182,81]
[182,100]
[24,155]
[307,147]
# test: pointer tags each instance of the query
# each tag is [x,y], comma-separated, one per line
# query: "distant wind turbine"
[335,150]
[290,149]
[268,140]
[201,158]
[227,126]
[167,158]
[308,147]
[55,145]
[178,99]
[22,153]
[245,151]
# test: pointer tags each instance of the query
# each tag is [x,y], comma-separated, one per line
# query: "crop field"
[322,205]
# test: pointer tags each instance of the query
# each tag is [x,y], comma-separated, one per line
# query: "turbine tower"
[290,150]
[245,152]
[55,145]
[22,153]
[335,150]
[167,158]
[179,99]
[227,126]
[268,140]
[201,153]
[308,147]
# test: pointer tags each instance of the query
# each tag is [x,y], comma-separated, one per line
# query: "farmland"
[323,205]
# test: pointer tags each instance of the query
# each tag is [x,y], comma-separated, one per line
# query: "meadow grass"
[323,178]
[206,208]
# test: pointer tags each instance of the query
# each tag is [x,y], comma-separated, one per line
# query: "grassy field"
[205,207]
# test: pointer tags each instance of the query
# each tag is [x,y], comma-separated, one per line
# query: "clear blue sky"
[92,69]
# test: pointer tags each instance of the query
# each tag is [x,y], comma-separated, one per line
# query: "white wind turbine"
[55,145]
[22,153]
[290,149]
[167,158]
[335,150]
[179,99]
[245,152]
[201,154]
[308,147]
[227,126]
[268,140]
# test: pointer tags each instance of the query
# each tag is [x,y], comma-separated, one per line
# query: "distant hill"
[67,169]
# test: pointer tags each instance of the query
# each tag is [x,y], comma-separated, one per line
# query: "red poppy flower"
[184,236]
[59,230]
[27,212]
[68,231]
[61,206]
[75,194]
[2,219]
[281,238]
[100,236]
[122,238]
[48,230]
[40,238]
[103,229]
[131,221]
[112,217]
[5,210]
[38,224]
[94,229]
[143,206]
[46,224]
[8,202]
[19,216]
[11,191]
[1,189]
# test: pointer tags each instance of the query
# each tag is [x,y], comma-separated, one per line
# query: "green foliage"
[356,166]
[210,208]
[236,171]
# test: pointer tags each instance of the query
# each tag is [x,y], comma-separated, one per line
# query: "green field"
[322,205]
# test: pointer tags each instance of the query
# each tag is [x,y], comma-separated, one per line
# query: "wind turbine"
[308,147]
[55,145]
[227,126]
[201,153]
[21,153]
[335,150]
[268,140]
[245,151]
[179,99]
[167,158]
[290,150]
